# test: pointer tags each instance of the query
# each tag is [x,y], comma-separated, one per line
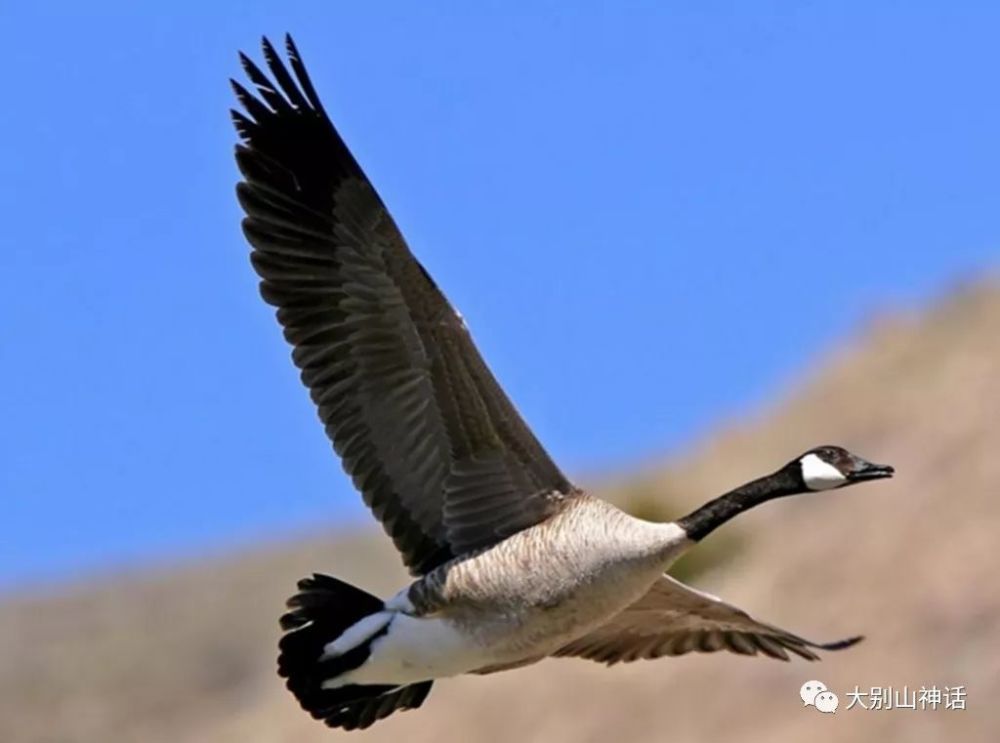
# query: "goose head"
[821,468]
[828,467]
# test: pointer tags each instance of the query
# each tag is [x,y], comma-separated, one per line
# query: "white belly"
[415,649]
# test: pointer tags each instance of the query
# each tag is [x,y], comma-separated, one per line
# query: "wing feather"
[674,619]
[436,448]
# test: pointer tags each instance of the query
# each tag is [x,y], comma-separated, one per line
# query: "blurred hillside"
[187,654]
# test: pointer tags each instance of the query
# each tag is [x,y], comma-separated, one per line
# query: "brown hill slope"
[187,655]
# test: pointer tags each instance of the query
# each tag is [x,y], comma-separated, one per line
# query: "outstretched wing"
[438,451]
[674,619]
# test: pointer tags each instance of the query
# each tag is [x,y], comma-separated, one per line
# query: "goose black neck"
[702,521]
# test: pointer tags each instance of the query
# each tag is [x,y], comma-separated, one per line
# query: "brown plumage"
[674,619]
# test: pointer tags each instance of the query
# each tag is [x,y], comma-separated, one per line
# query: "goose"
[511,562]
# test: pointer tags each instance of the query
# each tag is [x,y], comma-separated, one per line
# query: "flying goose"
[512,562]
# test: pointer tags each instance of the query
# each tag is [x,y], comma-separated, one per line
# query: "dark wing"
[673,619]
[430,439]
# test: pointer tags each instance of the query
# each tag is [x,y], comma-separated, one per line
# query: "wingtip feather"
[841,644]
[267,46]
[245,62]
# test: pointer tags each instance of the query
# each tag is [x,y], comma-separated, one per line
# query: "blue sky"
[652,216]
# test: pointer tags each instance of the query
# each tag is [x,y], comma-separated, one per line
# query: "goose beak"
[864,470]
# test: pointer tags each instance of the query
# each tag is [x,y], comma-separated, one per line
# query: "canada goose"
[513,563]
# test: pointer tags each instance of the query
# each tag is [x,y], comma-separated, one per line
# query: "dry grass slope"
[187,654]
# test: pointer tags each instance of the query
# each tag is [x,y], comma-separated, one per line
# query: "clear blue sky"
[651,214]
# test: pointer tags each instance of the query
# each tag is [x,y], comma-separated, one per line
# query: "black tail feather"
[319,613]
[361,714]
[321,593]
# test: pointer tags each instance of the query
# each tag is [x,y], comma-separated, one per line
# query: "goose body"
[520,600]
[512,562]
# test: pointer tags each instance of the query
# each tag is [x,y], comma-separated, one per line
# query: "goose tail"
[329,629]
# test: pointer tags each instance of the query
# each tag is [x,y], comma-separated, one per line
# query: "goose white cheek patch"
[820,475]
